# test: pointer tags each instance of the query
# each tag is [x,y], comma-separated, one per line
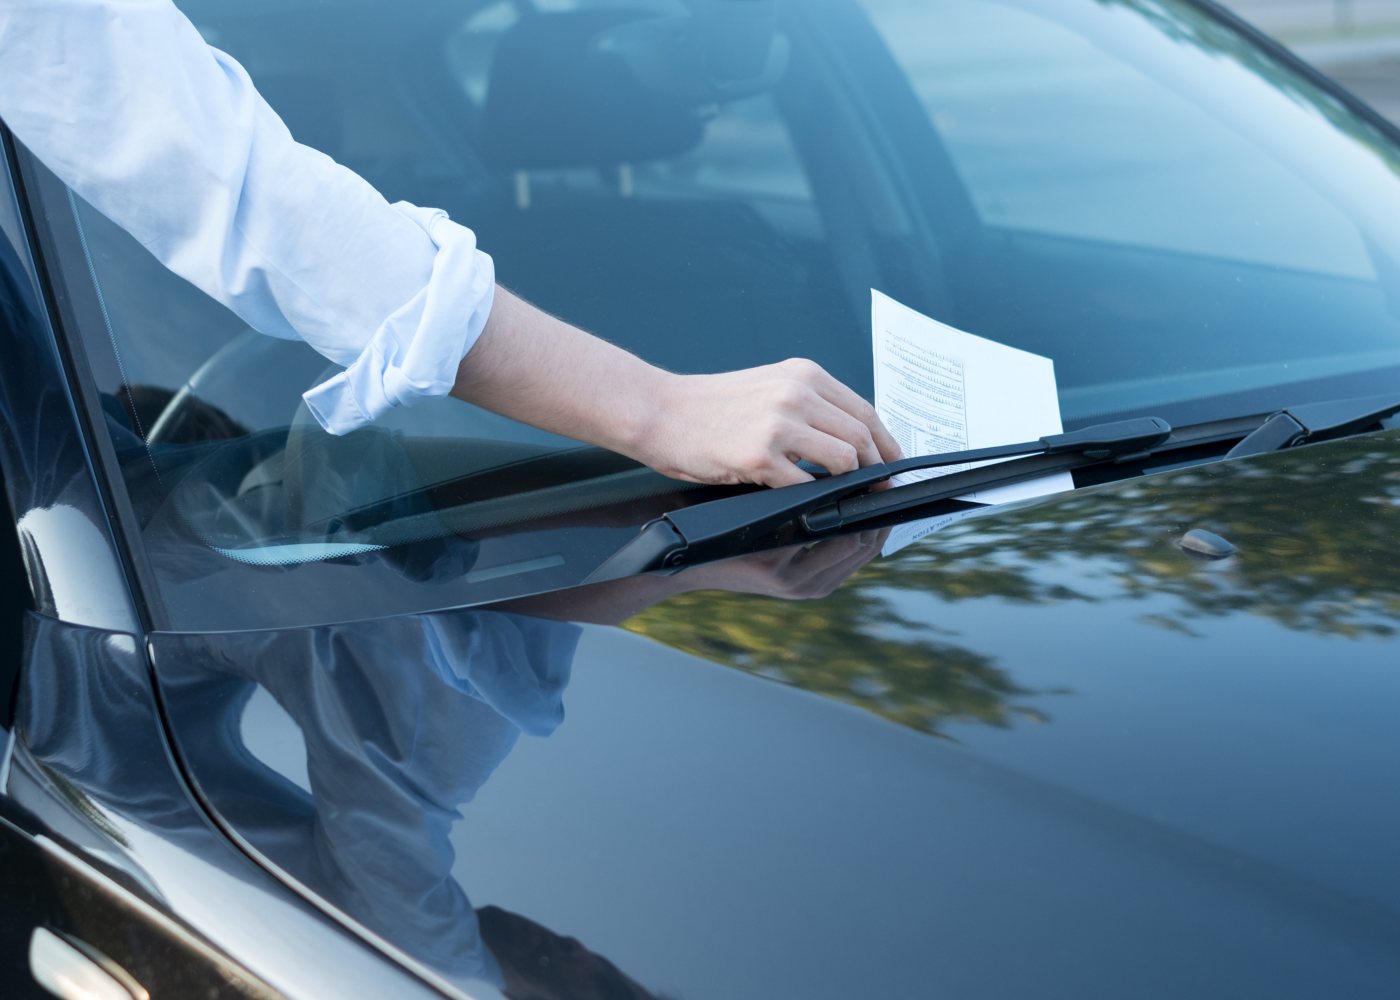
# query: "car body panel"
[1169,775]
[1042,751]
[90,764]
[88,784]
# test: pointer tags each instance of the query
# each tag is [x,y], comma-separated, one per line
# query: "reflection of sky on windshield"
[1060,122]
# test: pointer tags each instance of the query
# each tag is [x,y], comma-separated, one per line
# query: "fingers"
[798,572]
[844,398]
[853,556]
[830,419]
[781,472]
[754,426]
[833,453]
[819,570]
[818,419]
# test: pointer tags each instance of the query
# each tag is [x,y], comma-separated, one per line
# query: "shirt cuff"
[415,353]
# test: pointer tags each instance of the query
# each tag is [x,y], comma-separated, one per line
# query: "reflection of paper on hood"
[903,535]
[939,389]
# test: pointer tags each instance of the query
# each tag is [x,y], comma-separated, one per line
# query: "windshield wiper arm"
[733,525]
[729,525]
[1312,422]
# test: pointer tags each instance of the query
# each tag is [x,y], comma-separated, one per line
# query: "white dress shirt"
[168,138]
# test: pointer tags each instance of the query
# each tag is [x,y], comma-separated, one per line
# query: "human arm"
[794,573]
[168,137]
[745,426]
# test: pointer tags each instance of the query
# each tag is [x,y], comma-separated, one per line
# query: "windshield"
[1185,224]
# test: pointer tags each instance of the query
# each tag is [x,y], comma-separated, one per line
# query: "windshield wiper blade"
[1312,422]
[735,524]
[730,525]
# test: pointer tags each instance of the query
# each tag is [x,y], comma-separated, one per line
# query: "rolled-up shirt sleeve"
[168,137]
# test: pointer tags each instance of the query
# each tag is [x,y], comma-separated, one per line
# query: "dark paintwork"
[1084,762]
[1075,760]
[48,887]
[90,771]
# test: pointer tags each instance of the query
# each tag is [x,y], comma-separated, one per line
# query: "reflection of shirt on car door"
[403,721]
[166,136]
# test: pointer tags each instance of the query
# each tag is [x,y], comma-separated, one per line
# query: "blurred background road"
[1357,42]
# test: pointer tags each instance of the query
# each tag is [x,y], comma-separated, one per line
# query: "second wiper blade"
[730,524]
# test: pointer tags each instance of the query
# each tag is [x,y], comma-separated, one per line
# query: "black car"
[285,712]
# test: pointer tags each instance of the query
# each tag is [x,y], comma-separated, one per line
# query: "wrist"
[644,403]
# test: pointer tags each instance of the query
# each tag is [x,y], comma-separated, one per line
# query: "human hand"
[753,426]
[795,573]
[750,426]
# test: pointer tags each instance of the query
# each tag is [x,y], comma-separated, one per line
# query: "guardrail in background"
[1302,17]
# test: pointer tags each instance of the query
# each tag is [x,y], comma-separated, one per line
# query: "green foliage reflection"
[1318,533]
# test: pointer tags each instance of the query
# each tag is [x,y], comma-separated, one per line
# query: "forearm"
[746,426]
[535,368]
[168,138]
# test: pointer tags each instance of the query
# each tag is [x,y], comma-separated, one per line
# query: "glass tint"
[1101,131]
[1185,224]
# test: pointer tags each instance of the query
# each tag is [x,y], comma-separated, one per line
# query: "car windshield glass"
[1186,224]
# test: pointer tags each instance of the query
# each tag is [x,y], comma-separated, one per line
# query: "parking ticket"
[941,389]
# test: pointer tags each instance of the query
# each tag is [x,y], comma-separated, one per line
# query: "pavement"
[1356,42]
[1299,19]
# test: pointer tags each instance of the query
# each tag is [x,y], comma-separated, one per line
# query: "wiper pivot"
[1311,422]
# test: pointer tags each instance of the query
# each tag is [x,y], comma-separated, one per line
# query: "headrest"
[557,99]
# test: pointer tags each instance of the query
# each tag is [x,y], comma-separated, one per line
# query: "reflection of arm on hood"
[539,964]
[403,720]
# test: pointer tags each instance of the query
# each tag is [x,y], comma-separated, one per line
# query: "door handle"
[73,972]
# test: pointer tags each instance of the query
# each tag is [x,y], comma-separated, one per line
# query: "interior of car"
[717,234]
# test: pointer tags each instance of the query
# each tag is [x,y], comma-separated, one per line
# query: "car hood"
[1042,750]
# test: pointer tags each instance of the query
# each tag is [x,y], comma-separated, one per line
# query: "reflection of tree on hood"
[403,720]
[853,646]
[1316,528]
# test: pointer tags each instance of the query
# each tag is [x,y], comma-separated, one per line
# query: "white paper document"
[939,389]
